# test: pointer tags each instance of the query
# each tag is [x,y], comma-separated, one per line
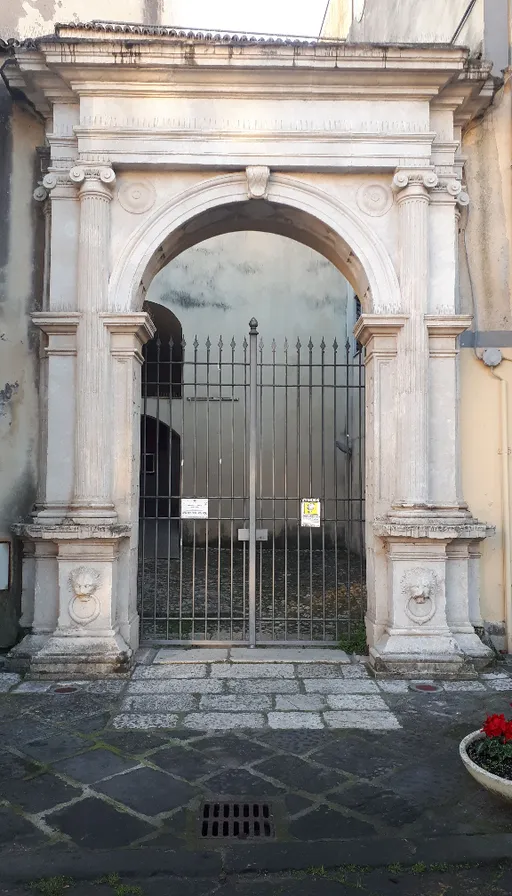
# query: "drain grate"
[425,688]
[236,820]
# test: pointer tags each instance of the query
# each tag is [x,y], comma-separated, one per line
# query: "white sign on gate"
[310,513]
[194,508]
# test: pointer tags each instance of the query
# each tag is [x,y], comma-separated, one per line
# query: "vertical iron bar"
[220,492]
[310,449]
[207,533]
[233,347]
[298,488]
[322,475]
[194,533]
[143,480]
[361,421]
[169,489]
[285,489]
[182,439]
[335,463]
[260,481]
[349,486]
[157,480]
[245,490]
[273,489]
[253,435]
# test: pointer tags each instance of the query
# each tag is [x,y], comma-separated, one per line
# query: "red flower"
[497,726]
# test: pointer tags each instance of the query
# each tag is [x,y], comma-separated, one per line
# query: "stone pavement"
[387,805]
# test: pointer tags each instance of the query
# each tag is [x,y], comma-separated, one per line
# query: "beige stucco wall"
[18,351]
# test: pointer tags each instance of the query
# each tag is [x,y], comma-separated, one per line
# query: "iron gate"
[251,431]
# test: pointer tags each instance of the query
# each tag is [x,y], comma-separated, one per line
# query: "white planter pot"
[500,786]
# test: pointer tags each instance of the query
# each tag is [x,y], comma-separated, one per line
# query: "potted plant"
[487,755]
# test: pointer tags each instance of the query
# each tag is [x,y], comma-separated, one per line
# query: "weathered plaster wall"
[19,291]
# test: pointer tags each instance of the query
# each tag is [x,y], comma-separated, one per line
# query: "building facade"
[154,142]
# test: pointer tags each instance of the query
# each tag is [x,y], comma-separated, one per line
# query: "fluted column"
[412,189]
[92,442]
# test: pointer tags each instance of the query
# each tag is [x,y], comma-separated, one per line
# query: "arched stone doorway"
[370,177]
[195,573]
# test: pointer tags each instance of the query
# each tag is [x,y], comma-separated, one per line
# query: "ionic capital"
[417,183]
[97,179]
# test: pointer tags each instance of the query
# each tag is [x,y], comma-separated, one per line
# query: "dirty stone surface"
[383,807]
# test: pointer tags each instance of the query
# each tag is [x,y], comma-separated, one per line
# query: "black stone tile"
[148,791]
[365,759]
[183,762]
[425,784]
[21,730]
[134,743]
[39,793]
[14,767]
[298,774]
[90,724]
[55,747]
[298,742]
[382,806]
[239,783]
[230,751]
[93,766]
[295,803]
[17,831]
[94,824]
[327,824]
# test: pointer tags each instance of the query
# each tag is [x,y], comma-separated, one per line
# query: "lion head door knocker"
[419,587]
[84,606]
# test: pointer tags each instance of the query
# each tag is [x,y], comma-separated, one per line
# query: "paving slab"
[262,686]
[287,655]
[8,680]
[235,703]
[300,702]
[371,721]
[93,766]
[193,655]
[159,703]
[175,686]
[295,720]
[340,686]
[253,670]
[93,823]
[209,721]
[364,702]
[145,721]
[176,670]
[33,687]
[148,791]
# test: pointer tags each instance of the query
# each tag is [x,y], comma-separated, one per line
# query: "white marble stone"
[8,680]
[369,721]
[210,721]
[499,684]
[160,704]
[295,720]
[262,686]
[494,675]
[250,670]
[235,703]
[194,655]
[176,686]
[287,655]
[463,685]
[34,687]
[300,702]
[341,686]
[364,702]
[179,670]
[355,670]
[106,687]
[394,687]
[145,722]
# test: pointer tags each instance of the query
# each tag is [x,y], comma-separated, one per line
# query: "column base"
[78,657]
[21,656]
[418,657]
[474,649]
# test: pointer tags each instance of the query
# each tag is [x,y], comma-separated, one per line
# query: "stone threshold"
[178,655]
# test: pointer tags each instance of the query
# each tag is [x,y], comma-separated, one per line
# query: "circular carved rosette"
[374,199]
[137,197]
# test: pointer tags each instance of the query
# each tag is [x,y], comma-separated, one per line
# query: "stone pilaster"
[128,333]
[412,196]
[92,498]
[379,335]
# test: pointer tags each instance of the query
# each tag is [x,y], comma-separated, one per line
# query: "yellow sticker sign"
[310,513]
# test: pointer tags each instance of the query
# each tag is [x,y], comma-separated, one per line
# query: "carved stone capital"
[40,193]
[56,185]
[93,180]
[257,181]
[418,182]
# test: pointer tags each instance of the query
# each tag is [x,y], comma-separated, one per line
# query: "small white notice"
[310,513]
[194,508]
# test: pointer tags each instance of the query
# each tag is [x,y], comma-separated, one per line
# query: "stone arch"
[292,208]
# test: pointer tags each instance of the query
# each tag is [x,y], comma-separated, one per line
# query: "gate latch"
[261,535]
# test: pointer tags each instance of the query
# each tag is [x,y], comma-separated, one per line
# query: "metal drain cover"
[236,820]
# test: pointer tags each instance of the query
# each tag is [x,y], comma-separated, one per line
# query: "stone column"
[379,334]
[128,333]
[92,498]
[412,190]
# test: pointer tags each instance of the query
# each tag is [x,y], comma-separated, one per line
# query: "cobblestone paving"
[82,795]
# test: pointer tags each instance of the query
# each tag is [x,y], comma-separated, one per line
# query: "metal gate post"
[253,456]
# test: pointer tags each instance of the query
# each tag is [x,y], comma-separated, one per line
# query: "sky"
[300,17]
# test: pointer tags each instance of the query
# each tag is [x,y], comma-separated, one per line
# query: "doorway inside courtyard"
[252,505]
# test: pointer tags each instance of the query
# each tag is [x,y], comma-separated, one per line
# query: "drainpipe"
[492,358]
